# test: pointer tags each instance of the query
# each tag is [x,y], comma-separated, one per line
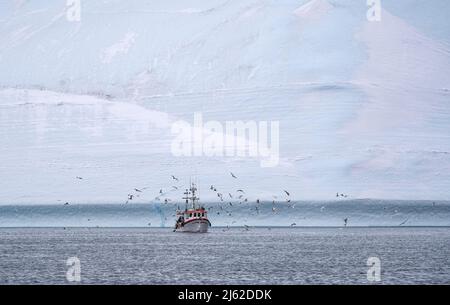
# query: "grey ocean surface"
[408,255]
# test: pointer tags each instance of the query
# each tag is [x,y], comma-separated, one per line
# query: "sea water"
[405,255]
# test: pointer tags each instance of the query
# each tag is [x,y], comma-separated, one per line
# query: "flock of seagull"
[225,201]
[238,197]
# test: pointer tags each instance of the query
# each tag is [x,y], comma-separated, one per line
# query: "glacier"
[359,213]
[363,106]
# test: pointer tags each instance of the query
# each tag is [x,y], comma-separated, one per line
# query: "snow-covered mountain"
[363,107]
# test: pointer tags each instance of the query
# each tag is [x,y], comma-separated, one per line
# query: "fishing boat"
[194,218]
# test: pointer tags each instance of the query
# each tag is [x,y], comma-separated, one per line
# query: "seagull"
[287,193]
[230,203]
[66,203]
[80,178]
[232,175]
[404,222]
[231,196]
[345,222]
[212,187]
[130,196]
[240,191]
[174,187]
[257,200]
[138,190]
[160,191]
[293,224]
[174,178]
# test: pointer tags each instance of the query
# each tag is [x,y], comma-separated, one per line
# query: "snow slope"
[363,106]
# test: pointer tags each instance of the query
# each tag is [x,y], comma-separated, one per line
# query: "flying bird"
[240,191]
[232,175]
[404,222]
[138,190]
[174,178]
[287,193]
[80,178]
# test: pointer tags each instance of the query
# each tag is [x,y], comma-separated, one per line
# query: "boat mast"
[194,197]
[187,199]
[190,194]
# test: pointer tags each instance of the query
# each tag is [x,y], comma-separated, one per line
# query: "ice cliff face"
[363,107]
